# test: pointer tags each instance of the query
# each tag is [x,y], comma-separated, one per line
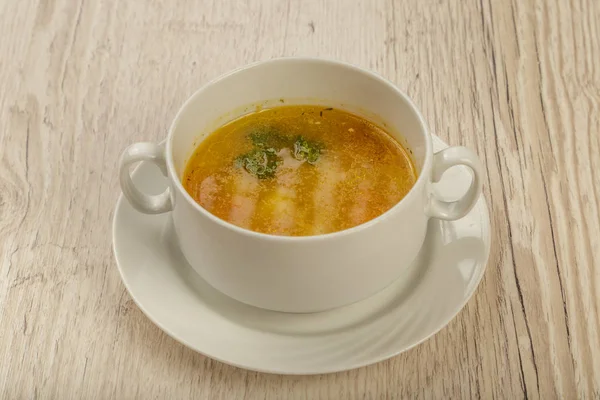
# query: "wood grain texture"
[518,81]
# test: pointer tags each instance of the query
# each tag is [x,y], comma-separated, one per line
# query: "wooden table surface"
[517,81]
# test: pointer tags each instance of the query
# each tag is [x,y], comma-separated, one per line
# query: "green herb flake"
[261,163]
[263,160]
[307,150]
[269,137]
[325,109]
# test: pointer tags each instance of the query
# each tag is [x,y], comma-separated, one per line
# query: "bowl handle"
[443,160]
[148,204]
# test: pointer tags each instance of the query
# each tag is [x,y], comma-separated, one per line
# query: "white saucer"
[429,294]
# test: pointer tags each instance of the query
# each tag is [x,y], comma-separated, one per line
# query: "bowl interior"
[296,81]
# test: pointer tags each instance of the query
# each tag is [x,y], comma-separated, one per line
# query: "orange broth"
[299,171]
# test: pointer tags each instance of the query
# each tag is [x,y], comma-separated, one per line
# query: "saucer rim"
[375,360]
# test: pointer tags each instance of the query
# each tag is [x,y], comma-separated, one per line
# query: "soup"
[298,171]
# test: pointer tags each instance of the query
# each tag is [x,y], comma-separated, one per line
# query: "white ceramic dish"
[422,301]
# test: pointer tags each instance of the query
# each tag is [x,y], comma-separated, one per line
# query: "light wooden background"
[518,81]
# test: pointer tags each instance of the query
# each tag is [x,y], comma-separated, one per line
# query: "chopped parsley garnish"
[307,150]
[262,161]
[268,137]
